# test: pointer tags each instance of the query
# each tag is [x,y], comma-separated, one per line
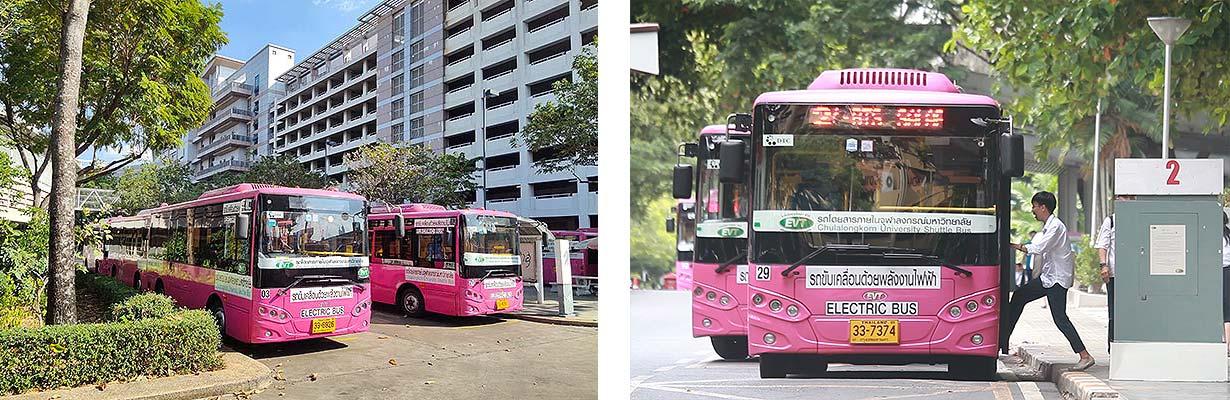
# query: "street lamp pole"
[487,94]
[1169,29]
[328,142]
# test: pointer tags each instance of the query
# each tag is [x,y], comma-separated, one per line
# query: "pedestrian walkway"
[1042,344]
[585,308]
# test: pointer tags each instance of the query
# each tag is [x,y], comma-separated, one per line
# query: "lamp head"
[1169,29]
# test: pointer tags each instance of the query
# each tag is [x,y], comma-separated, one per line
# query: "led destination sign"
[876,117]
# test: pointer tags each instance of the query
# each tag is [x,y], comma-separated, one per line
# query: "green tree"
[140,84]
[285,170]
[24,268]
[568,126]
[415,173]
[151,184]
[1062,57]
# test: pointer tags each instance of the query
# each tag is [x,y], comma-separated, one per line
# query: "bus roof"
[432,210]
[718,129]
[245,190]
[886,86]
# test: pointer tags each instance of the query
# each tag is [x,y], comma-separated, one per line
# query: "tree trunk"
[62,296]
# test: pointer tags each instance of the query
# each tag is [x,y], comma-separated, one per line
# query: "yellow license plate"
[875,331]
[501,304]
[324,325]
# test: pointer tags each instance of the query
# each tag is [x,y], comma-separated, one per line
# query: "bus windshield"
[301,226]
[490,245]
[926,192]
[721,223]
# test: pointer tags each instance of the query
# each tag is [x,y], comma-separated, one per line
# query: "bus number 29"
[762,272]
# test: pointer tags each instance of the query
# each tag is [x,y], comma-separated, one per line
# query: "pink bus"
[299,272]
[879,223]
[582,254]
[426,258]
[719,265]
[682,222]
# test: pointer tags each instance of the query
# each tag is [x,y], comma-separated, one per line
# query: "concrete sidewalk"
[585,307]
[1042,346]
[240,377]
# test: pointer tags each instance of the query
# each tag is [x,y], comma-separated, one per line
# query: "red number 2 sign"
[1173,166]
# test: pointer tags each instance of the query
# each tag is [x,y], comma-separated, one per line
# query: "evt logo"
[730,232]
[796,222]
[874,295]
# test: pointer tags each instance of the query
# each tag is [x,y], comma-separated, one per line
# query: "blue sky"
[301,25]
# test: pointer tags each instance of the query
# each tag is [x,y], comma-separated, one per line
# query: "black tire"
[136,281]
[216,311]
[411,301]
[773,366]
[730,347]
[973,369]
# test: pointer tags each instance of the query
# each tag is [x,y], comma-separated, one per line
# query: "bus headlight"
[775,305]
[954,311]
[711,296]
[706,322]
[757,299]
[792,310]
[988,300]
[262,310]
[769,338]
[971,306]
[725,300]
[699,291]
[976,339]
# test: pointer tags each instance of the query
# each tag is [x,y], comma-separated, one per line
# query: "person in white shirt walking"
[1105,244]
[1225,277]
[1057,268]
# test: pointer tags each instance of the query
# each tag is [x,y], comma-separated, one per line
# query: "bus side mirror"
[739,122]
[670,225]
[400,221]
[243,224]
[690,149]
[731,157]
[681,186]
[1012,155]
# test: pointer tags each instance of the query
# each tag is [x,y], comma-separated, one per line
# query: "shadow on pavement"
[270,350]
[384,314]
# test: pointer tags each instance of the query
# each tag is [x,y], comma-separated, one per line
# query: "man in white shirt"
[1105,244]
[1057,265]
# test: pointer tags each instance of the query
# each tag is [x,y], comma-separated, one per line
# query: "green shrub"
[142,306]
[110,291]
[74,355]
[1088,273]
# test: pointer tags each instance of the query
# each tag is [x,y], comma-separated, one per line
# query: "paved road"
[437,357]
[667,363]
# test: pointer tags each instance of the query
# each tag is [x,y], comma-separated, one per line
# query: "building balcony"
[500,145]
[500,51]
[502,82]
[460,67]
[231,89]
[461,12]
[228,165]
[503,176]
[224,142]
[588,19]
[502,112]
[548,33]
[459,124]
[225,118]
[330,111]
[498,22]
[542,98]
[533,8]
[469,150]
[552,66]
[460,96]
[347,85]
[458,41]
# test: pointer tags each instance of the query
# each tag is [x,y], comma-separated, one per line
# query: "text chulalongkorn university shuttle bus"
[879,223]
[272,264]
[719,264]
[426,258]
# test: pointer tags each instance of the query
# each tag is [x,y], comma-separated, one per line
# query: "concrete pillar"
[1068,201]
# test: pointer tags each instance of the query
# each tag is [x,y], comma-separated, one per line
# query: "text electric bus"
[879,223]
[719,264]
[426,258]
[682,222]
[272,264]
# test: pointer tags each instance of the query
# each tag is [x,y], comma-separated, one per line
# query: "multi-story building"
[457,75]
[238,128]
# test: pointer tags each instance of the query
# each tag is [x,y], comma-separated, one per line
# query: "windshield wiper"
[942,262]
[488,275]
[327,278]
[824,248]
[725,266]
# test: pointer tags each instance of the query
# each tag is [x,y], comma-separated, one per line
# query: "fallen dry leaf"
[392,361]
[312,377]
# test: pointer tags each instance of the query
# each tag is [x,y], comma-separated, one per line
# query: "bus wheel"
[973,369]
[411,301]
[136,281]
[730,347]
[215,310]
[773,366]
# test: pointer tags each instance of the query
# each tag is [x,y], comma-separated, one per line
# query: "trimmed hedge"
[151,338]
[75,355]
[142,306]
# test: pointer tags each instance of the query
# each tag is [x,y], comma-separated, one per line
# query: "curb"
[1079,385]
[240,375]
[553,320]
